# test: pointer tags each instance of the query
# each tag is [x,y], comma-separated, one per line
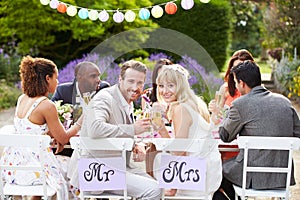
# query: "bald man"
[87,79]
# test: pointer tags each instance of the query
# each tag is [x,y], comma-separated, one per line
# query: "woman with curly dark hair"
[37,115]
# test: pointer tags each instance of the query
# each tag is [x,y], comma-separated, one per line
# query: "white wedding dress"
[200,129]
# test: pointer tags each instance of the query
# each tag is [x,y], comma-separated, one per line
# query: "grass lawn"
[264,66]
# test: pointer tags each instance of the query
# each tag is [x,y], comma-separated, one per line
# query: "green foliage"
[8,95]
[282,21]
[248,27]
[208,24]
[287,77]
[294,84]
[9,64]
[43,31]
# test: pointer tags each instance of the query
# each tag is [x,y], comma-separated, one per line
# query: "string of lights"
[129,15]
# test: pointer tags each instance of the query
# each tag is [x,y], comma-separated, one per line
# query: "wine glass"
[218,106]
[156,118]
[86,97]
[218,99]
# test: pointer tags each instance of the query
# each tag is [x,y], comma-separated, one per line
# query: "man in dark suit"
[87,79]
[258,112]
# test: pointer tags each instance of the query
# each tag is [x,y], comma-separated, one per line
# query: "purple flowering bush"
[204,84]
[108,68]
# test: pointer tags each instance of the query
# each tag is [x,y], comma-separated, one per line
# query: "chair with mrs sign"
[39,142]
[249,143]
[98,173]
[184,172]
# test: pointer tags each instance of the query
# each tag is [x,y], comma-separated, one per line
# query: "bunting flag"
[119,15]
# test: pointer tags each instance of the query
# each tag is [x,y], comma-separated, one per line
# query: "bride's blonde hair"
[184,94]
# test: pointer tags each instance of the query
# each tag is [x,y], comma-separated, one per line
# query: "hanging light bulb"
[157,11]
[118,17]
[71,11]
[103,16]
[93,15]
[83,13]
[204,1]
[144,14]
[45,2]
[130,16]
[187,4]
[170,8]
[54,4]
[62,8]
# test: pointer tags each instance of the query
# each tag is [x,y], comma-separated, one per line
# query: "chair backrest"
[103,144]
[201,146]
[39,142]
[267,143]
[186,145]
[109,144]
[8,129]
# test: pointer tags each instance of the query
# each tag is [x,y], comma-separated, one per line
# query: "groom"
[109,115]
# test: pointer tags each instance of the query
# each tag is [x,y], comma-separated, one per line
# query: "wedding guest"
[37,115]
[226,94]
[109,114]
[87,79]
[190,119]
[258,112]
[228,91]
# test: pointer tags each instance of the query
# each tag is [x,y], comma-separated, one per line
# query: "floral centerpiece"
[64,113]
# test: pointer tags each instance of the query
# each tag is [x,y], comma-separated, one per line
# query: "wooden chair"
[268,143]
[205,146]
[86,144]
[38,142]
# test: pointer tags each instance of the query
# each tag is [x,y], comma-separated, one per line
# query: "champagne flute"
[156,119]
[218,98]
[86,97]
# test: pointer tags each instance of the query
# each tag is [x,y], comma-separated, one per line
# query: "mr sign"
[182,172]
[96,174]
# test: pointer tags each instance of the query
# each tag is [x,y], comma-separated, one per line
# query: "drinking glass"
[156,118]
[86,97]
[218,99]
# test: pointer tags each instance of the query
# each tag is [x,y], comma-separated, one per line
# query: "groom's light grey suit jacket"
[104,117]
[259,113]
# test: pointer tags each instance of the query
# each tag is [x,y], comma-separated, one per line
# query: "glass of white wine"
[156,118]
[86,97]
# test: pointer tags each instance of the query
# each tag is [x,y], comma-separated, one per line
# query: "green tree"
[282,21]
[248,28]
[208,24]
[40,30]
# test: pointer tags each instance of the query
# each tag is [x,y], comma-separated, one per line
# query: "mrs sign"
[182,172]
